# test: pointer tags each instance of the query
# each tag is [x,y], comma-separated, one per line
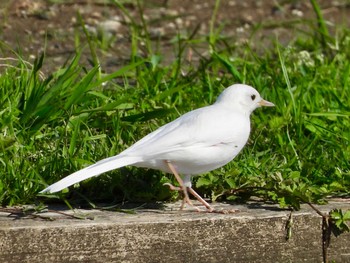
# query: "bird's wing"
[205,126]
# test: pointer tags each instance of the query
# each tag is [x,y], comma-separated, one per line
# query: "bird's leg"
[185,191]
[200,199]
[182,187]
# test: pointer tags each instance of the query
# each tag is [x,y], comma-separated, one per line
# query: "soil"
[31,27]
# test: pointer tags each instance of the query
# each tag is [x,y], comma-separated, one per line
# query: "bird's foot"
[186,199]
[209,208]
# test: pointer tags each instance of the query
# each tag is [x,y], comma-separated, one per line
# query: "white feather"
[96,169]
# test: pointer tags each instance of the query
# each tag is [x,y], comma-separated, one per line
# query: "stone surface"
[255,234]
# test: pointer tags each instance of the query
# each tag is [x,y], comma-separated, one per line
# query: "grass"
[302,147]
[298,151]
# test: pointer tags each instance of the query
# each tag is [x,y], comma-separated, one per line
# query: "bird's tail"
[96,169]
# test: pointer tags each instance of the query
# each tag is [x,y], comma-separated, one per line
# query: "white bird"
[197,142]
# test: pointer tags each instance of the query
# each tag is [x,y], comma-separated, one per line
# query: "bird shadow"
[259,205]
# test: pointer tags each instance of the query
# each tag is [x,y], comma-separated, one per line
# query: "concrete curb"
[256,234]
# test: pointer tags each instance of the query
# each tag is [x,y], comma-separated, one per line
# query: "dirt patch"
[32,27]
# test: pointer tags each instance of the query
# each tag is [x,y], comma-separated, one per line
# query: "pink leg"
[184,189]
[200,199]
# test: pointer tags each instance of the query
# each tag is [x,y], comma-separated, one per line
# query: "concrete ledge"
[256,234]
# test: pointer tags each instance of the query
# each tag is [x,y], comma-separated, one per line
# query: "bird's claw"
[172,187]
[188,201]
[185,200]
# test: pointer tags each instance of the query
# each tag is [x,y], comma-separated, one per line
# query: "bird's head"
[243,97]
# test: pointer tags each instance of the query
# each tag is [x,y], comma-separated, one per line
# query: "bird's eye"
[253,97]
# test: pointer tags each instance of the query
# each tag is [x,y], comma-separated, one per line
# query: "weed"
[54,125]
